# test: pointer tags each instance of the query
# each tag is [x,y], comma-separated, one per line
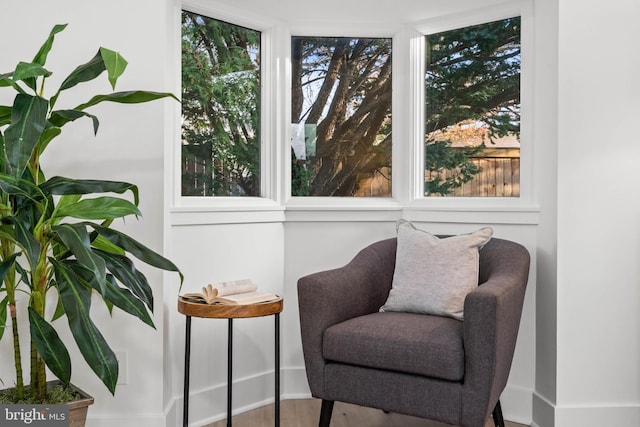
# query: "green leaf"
[76,300]
[76,238]
[130,97]
[3,159]
[28,242]
[127,302]
[113,295]
[41,56]
[99,208]
[84,73]
[46,137]
[61,117]
[104,245]
[24,276]
[115,64]
[3,315]
[29,118]
[59,311]
[67,200]
[5,115]
[8,237]
[126,273]
[27,70]
[137,249]
[50,347]
[6,79]
[24,188]
[60,186]
[6,265]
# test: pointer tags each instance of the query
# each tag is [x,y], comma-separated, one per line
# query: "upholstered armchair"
[428,366]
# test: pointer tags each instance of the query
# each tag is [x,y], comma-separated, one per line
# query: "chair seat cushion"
[405,342]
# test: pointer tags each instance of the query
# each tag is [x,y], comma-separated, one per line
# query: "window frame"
[269,192]
[417,198]
[341,35]
[407,199]
[330,203]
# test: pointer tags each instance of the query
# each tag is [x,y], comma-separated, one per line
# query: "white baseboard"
[547,414]
[517,404]
[209,405]
[543,412]
[597,416]
[294,384]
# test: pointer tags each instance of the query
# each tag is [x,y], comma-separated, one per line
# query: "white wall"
[129,147]
[598,375]
[579,348]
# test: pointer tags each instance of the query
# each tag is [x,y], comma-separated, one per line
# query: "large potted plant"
[58,246]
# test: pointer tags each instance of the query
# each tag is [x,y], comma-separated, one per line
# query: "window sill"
[314,209]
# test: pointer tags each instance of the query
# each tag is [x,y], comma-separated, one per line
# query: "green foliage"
[300,177]
[220,110]
[442,157]
[473,75]
[44,246]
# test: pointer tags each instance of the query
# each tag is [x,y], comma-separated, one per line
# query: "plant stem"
[8,248]
[34,376]
[16,351]
[38,376]
[40,277]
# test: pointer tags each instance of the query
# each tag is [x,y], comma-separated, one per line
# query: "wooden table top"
[226,311]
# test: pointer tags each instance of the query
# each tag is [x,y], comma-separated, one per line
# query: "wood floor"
[304,413]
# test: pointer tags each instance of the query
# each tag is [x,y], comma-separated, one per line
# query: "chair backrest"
[501,256]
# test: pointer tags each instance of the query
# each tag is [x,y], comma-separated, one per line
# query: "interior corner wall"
[598,327]
[545,157]
[589,372]
[128,147]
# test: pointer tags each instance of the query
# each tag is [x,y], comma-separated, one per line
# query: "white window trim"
[329,203]
[277,204]
[525,202]
[269,148]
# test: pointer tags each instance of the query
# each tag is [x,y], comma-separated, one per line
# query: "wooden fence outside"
[499,176]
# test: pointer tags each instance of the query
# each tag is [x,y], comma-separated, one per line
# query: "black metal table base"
[187,362]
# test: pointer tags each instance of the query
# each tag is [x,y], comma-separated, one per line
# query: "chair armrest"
[491,321]
[330,297]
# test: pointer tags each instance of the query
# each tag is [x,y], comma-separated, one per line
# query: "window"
[472,123]
[341,116]
[220,108]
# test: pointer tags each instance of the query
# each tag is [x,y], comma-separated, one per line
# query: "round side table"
[230,312]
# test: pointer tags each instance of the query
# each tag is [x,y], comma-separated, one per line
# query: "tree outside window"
[473,111]
[220,108]
[341,116]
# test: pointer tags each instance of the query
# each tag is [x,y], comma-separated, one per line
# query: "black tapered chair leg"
[498,420]
[325,413]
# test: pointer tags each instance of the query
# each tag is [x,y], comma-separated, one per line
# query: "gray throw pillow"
[433,275]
